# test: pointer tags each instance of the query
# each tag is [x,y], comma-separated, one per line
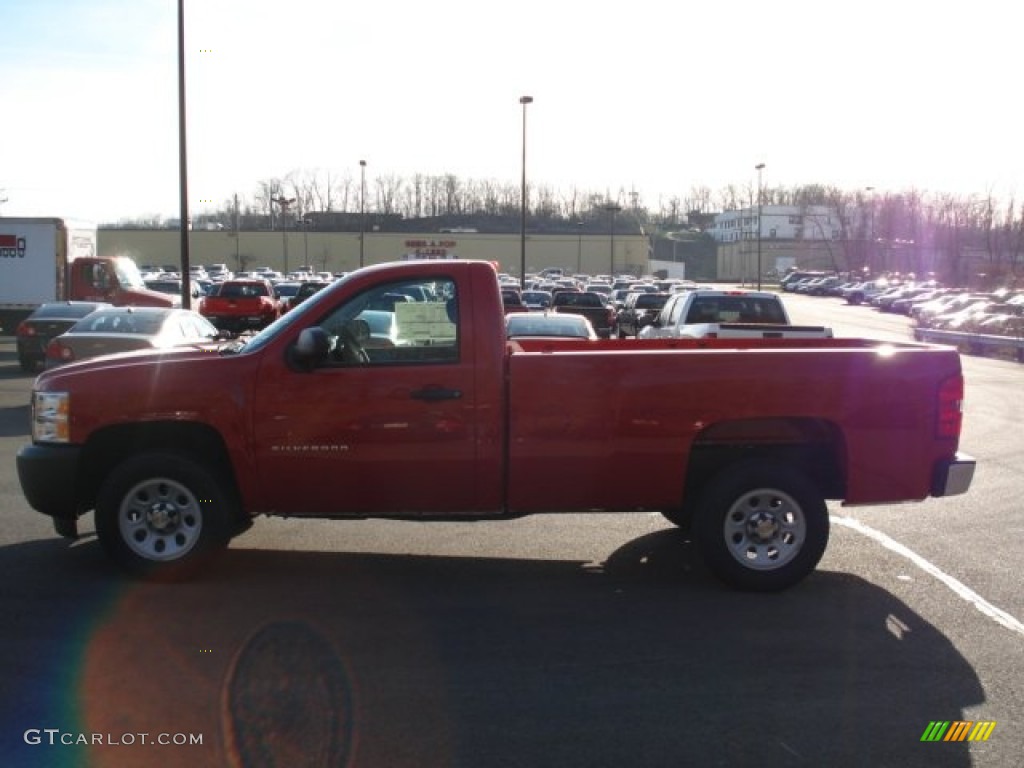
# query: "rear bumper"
[47,475]
[240,323]
[953,476]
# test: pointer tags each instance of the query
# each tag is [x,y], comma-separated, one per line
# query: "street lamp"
[524,100]
[305,241]
[760,199]
[612,208]
[579,247]
[871,214]
[362,210]
[283,202]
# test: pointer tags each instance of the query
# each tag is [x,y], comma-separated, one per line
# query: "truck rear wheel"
[161,515]
[761,526]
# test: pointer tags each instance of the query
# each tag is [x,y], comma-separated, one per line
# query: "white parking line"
[996,614]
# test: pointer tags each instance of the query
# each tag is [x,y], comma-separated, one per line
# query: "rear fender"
[814,446]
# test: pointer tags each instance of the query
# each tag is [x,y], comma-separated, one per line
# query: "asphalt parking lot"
[575,640]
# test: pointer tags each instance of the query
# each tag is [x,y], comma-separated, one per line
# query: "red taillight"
[57,351]
[951,407]
[24,329]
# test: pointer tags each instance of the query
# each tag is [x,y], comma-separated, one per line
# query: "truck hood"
[188,354]
[144,297]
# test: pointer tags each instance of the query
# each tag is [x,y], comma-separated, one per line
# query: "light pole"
[362,211]
[305,241]
[760,199]
[524,100]
[283,203]
[579,247]
[871,214]
[612,208]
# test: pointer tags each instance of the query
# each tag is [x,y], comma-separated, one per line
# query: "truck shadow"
[405,660]
[14,421]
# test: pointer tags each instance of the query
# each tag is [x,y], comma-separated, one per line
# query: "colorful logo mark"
[958,730]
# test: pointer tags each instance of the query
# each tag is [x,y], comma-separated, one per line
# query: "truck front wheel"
[162,515]
[761,526]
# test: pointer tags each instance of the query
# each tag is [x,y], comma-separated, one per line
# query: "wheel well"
[813,446]
[108,447]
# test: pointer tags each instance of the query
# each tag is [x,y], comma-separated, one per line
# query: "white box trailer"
[34,258]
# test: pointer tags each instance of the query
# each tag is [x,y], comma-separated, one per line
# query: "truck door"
[92,280]
[386,423]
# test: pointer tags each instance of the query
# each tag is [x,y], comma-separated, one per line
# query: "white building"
[806,236]
[782,222]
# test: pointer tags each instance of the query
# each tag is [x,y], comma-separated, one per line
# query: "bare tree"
[266,192]
[389,189]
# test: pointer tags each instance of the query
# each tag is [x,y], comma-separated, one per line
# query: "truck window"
[676,310]
[386,326]
[98,277]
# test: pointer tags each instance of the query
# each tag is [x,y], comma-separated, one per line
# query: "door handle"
[432,394]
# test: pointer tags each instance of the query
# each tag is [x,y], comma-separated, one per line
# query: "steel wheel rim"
[160,519]
[765,529]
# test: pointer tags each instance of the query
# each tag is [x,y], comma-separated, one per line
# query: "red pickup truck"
[240,305]
[442,417]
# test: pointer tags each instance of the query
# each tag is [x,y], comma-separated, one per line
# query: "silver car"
[124,329]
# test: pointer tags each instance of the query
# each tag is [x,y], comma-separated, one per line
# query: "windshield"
[128,274]
[264,337]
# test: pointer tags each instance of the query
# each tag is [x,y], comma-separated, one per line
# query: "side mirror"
[312,346]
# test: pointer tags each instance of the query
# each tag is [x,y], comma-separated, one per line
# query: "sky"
[653,97]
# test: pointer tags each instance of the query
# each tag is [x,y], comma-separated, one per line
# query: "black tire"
[28,364]
[761,526]
[162,516]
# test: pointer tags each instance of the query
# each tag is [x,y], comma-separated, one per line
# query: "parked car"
[789,281]
[48,321]
[286,290]
[172,286]
[821,286]
[906,304]
[1003,319]
[639,310]
[512,300]
[924,312]
[549,325]
[593,306]
[866,291]
[304,291]
[123,329]
[963,318]
[537,300]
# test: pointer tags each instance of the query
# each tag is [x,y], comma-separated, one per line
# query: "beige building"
[339,251]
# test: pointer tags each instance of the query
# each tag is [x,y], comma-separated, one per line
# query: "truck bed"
[656,410]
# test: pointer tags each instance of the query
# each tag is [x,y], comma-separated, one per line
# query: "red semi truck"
[52,259]
[742,440]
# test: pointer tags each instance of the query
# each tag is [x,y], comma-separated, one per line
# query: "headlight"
[50,423]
